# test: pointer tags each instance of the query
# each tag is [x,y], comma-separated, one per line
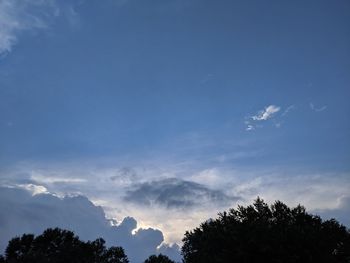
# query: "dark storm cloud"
[20,213]
[176,193]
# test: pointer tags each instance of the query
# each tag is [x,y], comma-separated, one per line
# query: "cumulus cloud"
[176,193]
[23,212]
[170,251]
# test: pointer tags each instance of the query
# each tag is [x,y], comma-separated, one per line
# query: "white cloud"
[40,178]
[267,113]
[250,127]
[263,115]
[34,189]
[210,177]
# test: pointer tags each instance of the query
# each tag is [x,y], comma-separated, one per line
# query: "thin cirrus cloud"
[288,110]
[317,109]
[17,16]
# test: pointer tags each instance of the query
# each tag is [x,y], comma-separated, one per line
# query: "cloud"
[34,189]
[263,115]
[316,109]
[289,109]
[18,16]
[325,194]
[124,176]
[267,113]
[315,191]
[171,251]
[341,212]
[22,15]
[250,127]
[175,193]
[22,212]
[55,180]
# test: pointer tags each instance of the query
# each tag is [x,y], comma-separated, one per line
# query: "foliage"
[158,259]
[60,246]
[262,233]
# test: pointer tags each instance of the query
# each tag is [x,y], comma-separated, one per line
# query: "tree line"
[255,233]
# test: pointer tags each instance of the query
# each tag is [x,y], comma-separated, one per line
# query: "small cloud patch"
[267,113]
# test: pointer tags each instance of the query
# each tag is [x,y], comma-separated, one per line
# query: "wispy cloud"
[18,16]
[263,115]
[317,109]
[250,127]
[37,177]
[289,109]
[267,113]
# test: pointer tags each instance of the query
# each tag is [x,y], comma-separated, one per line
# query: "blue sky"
[231,95]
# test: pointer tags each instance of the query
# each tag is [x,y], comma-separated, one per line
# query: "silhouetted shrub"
[158,259]
[60,246]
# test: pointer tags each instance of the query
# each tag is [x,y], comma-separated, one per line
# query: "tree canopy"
[263,233]
[158,259]
[60,246]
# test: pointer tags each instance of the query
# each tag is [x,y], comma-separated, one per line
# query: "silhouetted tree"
[158,259]
[60,246]
[262,233]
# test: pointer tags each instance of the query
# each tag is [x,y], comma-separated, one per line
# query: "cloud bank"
[176,200]
[23,212]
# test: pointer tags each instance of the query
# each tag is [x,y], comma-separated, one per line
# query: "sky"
[159,114]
